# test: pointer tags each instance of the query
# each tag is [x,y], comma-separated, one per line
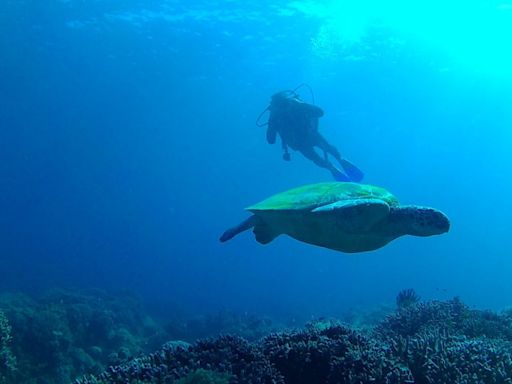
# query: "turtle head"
[422,221]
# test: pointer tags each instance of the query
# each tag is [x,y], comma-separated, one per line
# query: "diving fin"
[354,174]
[339,176]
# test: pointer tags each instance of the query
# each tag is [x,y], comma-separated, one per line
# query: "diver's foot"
[353,173]
[339,176]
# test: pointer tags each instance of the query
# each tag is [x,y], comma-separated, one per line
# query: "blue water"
[128,144]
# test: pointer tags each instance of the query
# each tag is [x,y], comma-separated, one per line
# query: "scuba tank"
[285,95]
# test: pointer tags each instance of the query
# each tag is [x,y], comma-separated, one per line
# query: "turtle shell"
[311,196]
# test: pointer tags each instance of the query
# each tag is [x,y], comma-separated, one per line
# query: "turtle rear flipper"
[243,226]
[264,233]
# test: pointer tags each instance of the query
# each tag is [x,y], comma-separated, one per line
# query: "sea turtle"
[343,216]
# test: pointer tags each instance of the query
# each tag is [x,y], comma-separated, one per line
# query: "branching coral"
[64,334]
[449,315]
[425,343]
[7,359]
[332,355]
[203,376]
[243,362]
[436,357]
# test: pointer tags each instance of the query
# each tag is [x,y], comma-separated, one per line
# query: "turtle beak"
[442,222]
[436,222]
[428,221]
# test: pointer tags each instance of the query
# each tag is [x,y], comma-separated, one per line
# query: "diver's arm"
[272,129]
[271,133]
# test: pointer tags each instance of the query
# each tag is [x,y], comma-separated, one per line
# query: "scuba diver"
[296,123]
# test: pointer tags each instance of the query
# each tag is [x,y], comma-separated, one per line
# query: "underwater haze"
[128,144]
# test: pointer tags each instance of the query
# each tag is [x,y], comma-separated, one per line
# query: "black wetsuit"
[296,122]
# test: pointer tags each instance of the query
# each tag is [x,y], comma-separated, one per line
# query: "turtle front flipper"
[243,226]
[355,215]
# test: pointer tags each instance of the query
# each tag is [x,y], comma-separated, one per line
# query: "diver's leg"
[312,155]
[354,173]
[327,148]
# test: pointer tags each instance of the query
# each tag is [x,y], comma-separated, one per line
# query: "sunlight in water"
[475,34]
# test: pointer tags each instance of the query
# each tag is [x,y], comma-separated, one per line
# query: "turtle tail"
[243,226]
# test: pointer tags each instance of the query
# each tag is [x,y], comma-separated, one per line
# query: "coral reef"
[64,334]
[228,355]
[440,358]
[420,343]
[414,319]
[203,376]
[7,359]
[336,354]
